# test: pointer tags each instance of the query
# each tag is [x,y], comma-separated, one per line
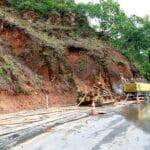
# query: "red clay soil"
[84,78]
[124,65]
[44,72]
[58,94]
[90,76]
[15,38]
[61,94]
[12,103]
[87,78]
[119,66]
[2,2]
[86,74]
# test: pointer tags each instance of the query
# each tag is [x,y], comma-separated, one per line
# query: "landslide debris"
[55,56]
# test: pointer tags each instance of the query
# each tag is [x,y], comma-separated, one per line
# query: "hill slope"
[55,57]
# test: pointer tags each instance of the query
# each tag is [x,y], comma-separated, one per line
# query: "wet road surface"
[126,128]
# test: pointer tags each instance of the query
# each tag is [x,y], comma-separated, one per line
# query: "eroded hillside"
[53,56]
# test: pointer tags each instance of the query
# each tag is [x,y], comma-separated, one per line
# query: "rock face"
[52,58]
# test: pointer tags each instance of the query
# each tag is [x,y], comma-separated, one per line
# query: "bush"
[1,71]
[130,35]
[42,6]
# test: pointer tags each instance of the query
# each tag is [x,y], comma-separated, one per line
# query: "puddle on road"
[139,114]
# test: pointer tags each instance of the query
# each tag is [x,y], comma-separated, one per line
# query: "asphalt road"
[119,129]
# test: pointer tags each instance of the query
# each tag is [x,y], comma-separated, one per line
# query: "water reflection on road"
[139,114]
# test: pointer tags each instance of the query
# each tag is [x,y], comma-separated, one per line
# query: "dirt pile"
[62,62]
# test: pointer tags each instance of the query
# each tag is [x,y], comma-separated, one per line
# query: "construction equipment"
[137,88]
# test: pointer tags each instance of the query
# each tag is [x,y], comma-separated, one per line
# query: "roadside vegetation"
[130,34]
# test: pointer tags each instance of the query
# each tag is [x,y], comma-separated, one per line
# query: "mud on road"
[118,128]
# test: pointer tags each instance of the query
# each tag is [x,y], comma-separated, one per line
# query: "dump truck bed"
[137,87]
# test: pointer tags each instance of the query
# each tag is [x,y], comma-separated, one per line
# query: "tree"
[130,34]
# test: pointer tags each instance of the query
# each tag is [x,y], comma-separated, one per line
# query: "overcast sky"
[137,7]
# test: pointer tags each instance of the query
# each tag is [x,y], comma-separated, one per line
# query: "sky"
[137,7]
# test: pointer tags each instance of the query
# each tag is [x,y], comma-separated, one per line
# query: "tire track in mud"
[117,130]
[20,136]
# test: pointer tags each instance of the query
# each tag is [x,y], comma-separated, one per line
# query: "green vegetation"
[1,71]
[81,64]
[130,34]
[43,6]
[11,72]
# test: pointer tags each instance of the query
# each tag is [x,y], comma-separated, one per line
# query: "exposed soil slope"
[54,57]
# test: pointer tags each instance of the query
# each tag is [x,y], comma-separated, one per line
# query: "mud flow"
[139,114]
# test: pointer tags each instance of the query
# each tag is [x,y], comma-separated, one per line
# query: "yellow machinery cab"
[136,87]
[143,89]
